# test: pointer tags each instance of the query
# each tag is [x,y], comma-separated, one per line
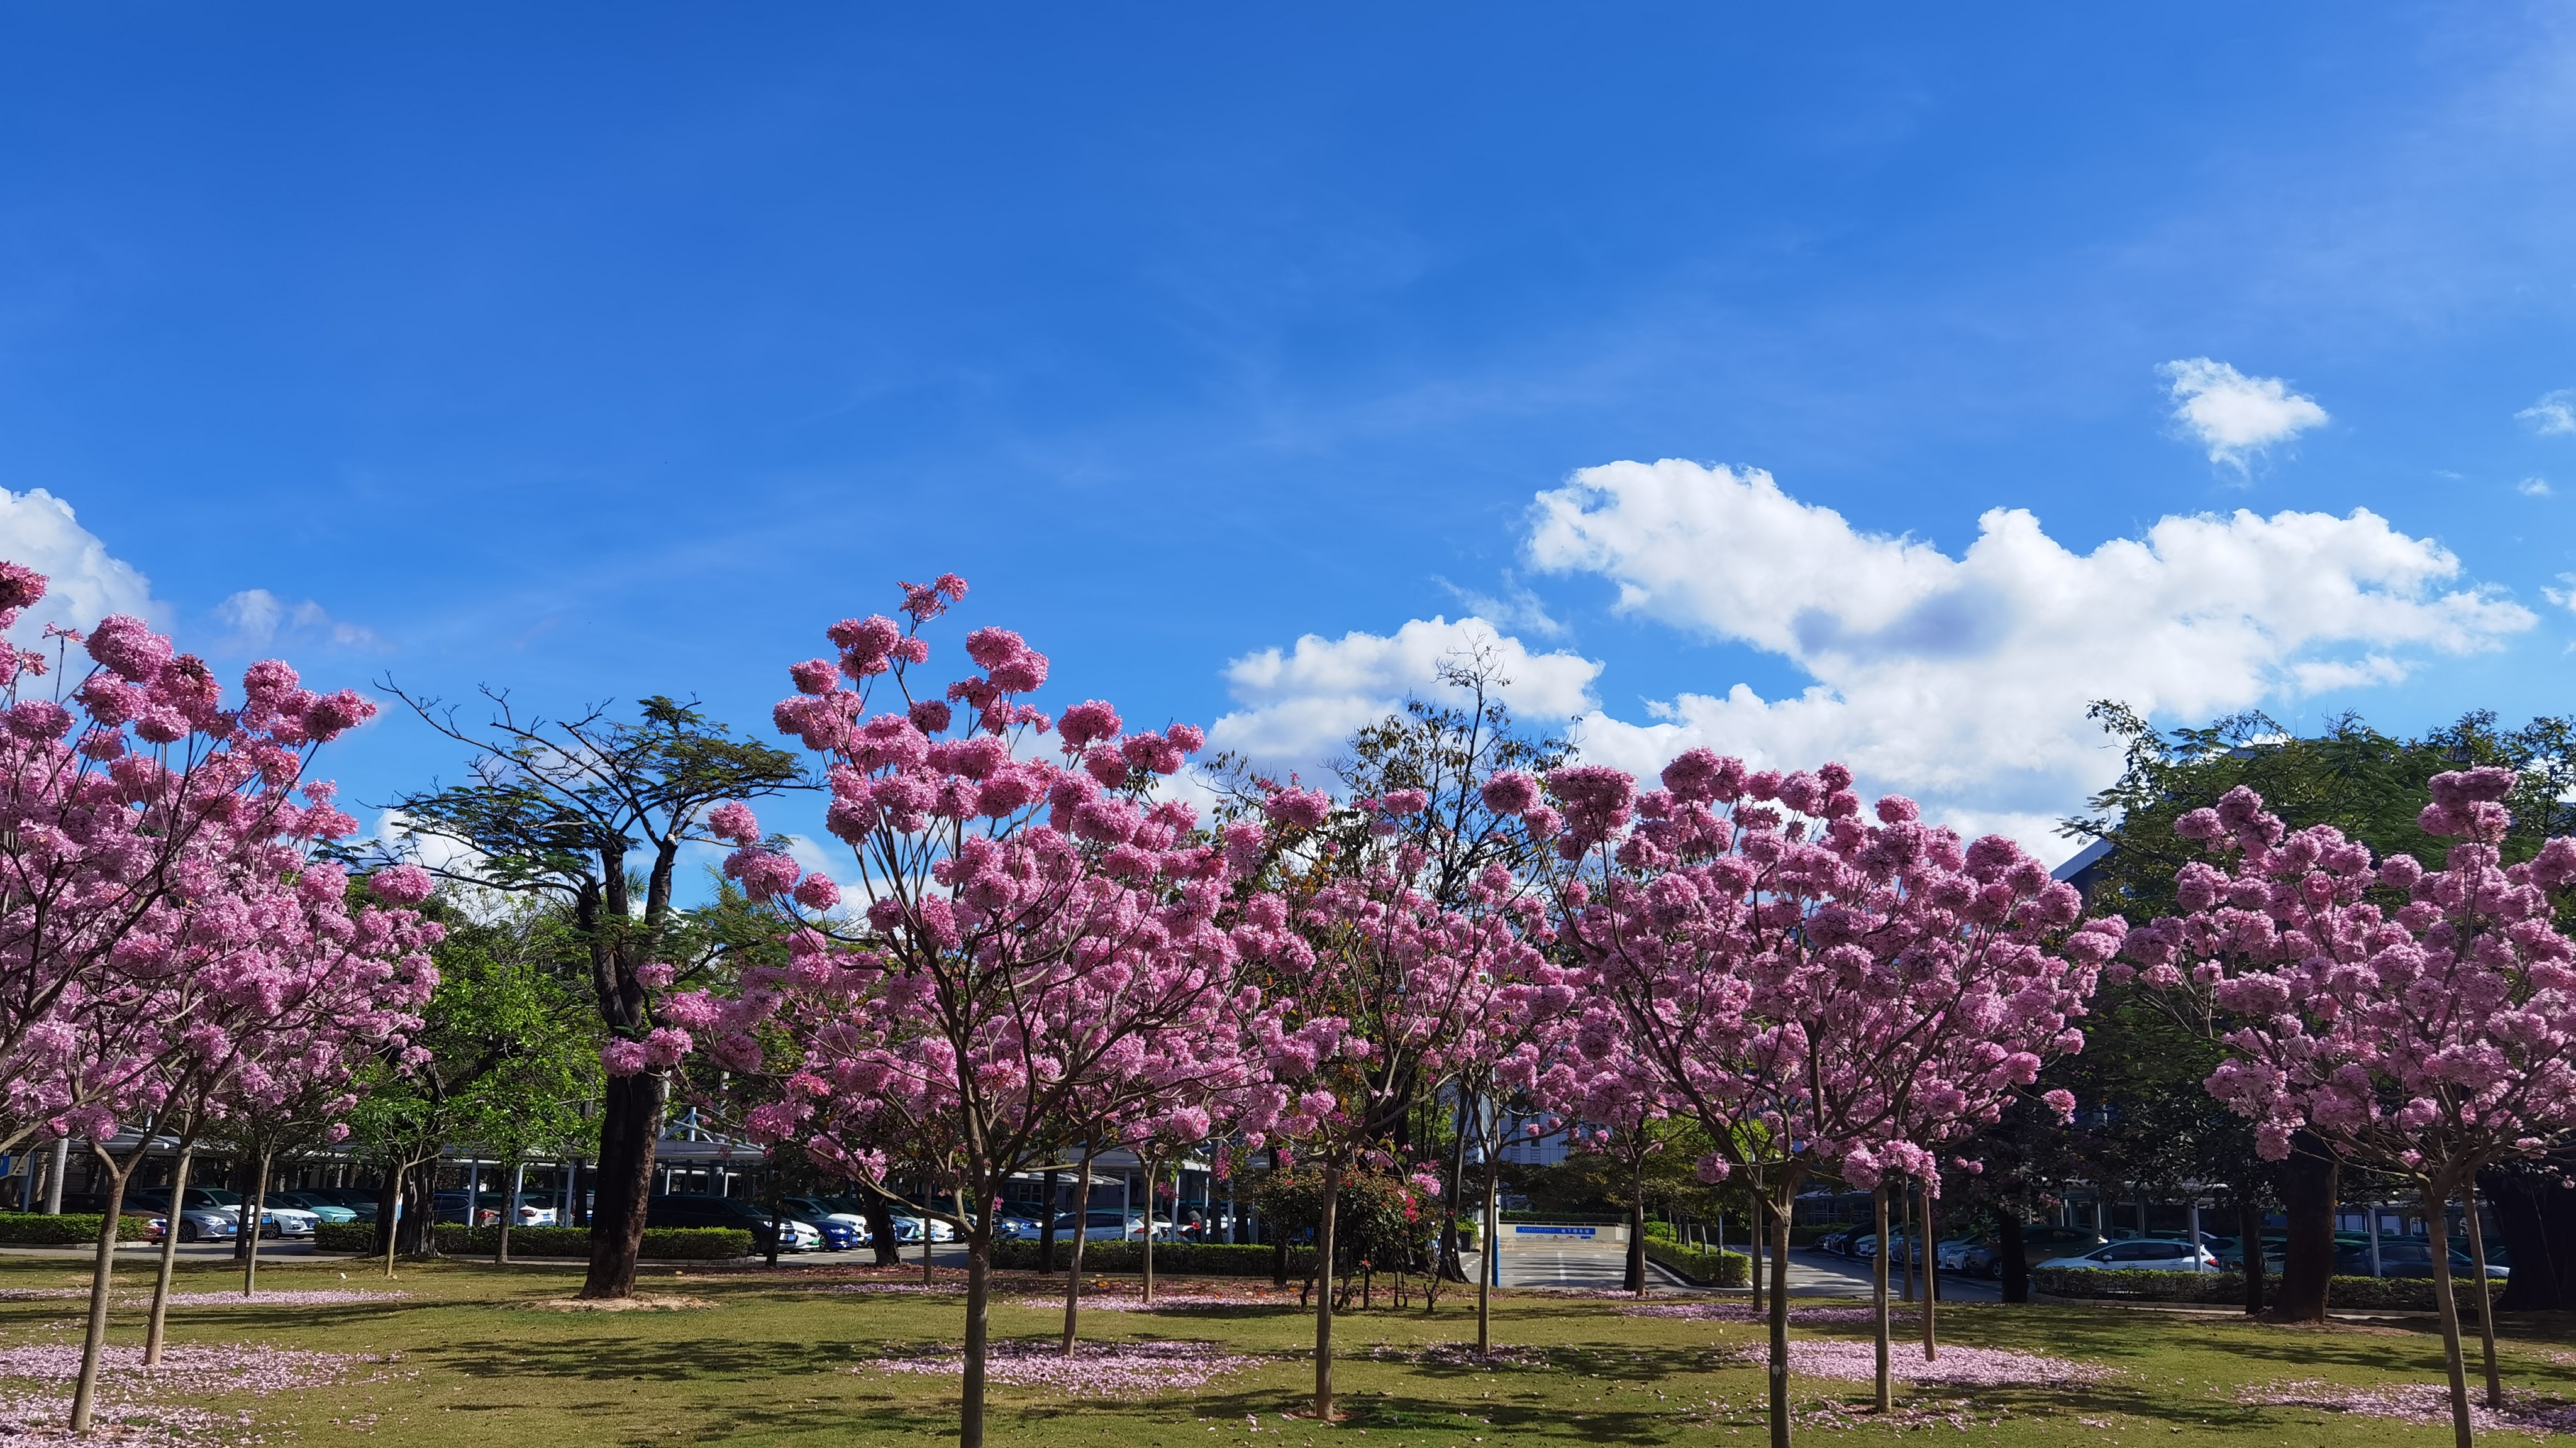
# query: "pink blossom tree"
[1800,980]
[1030,947]
[2421,1021]
[1388,993]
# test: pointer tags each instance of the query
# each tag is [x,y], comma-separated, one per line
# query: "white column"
[473,1193]
[2374,1239]
[2195,1234]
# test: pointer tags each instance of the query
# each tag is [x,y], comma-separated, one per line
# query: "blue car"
[837,1236]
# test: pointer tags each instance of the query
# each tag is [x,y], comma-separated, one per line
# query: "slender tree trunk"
[509,1213]
[630,1127]
[1153,1173]
[1905,1225]
[1489,1261]
[881,1235]
[1753,1241]
[1635,1280]
[2249,1236]
[102,1281]
[169,1256]
[1780,1207]
[389,1214]
[2308,1179]
[979,1302]
[1081,1234]
[1278,1239]
[1878,1300]
[1452,1258]
[1324,1247]
[1931,1276]
[2486,1294]
[258,1208]
[2436,1203]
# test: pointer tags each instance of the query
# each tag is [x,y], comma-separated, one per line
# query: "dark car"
[685,1210]
[1838,1243]
[2406,1257]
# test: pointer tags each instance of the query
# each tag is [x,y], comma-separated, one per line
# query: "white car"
[1097,1226]
[2145,1254]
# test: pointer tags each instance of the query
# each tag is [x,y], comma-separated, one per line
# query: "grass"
[478,1362]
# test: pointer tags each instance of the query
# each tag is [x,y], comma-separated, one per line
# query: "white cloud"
[1516,609]
[85,583]
[2233,415]
[2533,487]
[258,619]
[1965,680]
[1300,707]
[2555,412]
[2563,597]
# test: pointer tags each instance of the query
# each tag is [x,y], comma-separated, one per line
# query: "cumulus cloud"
[86,582]
[2533,487]
[1965,680]
[258,619]
[2555,412]
[2235,416]
[2563,597]
[1301,706]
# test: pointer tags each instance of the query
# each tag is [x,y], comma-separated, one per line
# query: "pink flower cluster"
[2424,1020]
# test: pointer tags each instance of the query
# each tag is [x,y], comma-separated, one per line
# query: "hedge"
[1722,1269]
[65,1229]
[2403,1294]
[1186,1259]
[668,1244]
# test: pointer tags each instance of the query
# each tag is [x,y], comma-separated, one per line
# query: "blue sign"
[1555,1231]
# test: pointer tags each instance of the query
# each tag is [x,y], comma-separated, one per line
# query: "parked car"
[361,1205]
[819,1210]
[279,1222]
[689,1210]
[2038,1244]
[201,1219]
[1013,1227]
[838,1235]
[2141,1254]
[2407,1257]
[1162,1229]
[1095,1225]
[1952,1254]
[328,1212]
[1838,1243]
[536,1209]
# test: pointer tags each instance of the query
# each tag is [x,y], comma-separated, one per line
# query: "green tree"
[556,810]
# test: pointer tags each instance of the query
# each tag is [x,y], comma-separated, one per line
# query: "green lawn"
[477,1363]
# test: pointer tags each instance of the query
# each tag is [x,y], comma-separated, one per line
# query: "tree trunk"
[1153,1173]
[1489,1261]
[2249,1236]
[1783,1202]
[630,1127]
[509,1213]
[1880,1334]
[1635,1279]
[1081,1234]
[1931,1276]
[1753,1241]
[2537,1215]
[1278,1239]
[979,1301]
[2308,1180]
[258,1209]
[103,1279]
[169,1256]
[388,1209]
[2436,1204]
[1905,1226]
[2012,1264]
[2486,1294]
[1324,1264]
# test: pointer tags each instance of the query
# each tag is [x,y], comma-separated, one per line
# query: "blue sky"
[594,351]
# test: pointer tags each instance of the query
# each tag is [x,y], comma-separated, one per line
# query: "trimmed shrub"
[1182,1259]
[666,1244]
[67,1229]
[1709,1269]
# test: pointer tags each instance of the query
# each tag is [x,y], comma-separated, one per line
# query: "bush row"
[1721,1269]
[2403,1294]
[669,1244]
[1189,1259]
[65,1229]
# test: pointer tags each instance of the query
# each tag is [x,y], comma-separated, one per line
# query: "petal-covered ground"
[1958,1366]
[2523,1411]
[1111,1369]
